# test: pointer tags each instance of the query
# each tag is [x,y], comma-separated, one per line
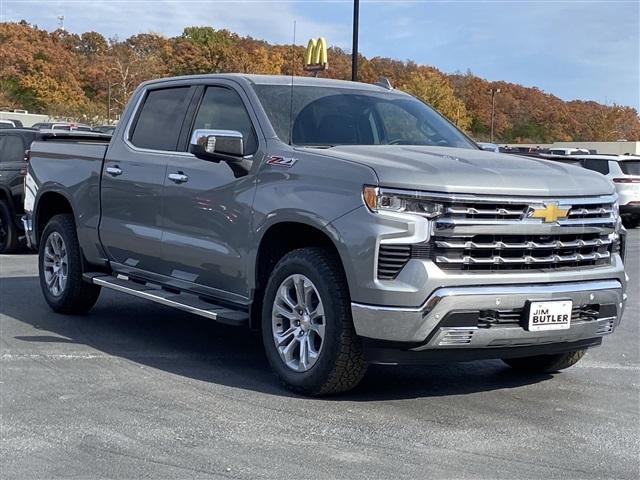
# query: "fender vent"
[392,259]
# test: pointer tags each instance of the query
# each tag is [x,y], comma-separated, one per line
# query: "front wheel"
[630,222]
[307,329]
[60,266]
[545,363]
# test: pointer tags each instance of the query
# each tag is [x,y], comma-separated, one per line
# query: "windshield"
[329,116]
[630,167]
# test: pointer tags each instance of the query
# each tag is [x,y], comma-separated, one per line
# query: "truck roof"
[277,80]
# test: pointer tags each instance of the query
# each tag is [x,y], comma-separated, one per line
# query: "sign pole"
[354,53]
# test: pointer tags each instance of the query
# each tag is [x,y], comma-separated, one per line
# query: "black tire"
[545,363]
[630,222]
[9,233]
[340,364]
[77,296]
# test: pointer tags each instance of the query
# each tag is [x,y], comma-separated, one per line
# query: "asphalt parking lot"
[137,390]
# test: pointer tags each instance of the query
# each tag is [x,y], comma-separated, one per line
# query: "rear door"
[207,216]
[133,179]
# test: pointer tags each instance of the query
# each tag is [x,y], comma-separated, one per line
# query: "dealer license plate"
[554,315]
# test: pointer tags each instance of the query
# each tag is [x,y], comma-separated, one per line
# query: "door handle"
[178,177]
[114,171]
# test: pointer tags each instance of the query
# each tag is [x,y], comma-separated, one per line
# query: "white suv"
[624,172]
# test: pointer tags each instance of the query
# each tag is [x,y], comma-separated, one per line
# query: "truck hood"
[461,170]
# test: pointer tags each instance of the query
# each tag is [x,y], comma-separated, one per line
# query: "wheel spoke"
[298,283]
[52,280]
[304,353]
[318,328]
[282,338]
[318,312]
[283,312]
[283,294]
[62,281]
[287,351]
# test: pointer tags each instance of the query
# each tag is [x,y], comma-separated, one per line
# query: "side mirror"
[488,147]
[217,145]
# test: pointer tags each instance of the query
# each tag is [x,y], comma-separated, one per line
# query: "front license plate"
[554,315]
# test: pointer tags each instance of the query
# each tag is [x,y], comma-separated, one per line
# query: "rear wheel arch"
[50,204]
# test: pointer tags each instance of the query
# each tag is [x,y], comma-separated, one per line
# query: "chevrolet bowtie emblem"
[551,212]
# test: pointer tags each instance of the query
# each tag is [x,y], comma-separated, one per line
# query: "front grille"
[522,252]
[487,234]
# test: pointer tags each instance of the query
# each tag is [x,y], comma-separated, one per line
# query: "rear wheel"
[307,329]
[545,363]
[60,266]
[8,231]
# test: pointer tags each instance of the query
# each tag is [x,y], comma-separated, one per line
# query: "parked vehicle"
[350,223]
[624,172]
[69,127]
[4,124]
[108,129]
[13,168]
[568,151]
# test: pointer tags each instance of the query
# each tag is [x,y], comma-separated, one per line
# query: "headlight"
[381,200]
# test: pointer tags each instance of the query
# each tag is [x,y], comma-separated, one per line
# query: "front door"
[133,180]
[207,205]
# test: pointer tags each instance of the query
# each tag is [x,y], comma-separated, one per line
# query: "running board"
[182,301]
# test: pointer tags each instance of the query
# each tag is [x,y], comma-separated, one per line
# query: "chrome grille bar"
[499,245]
[525,260]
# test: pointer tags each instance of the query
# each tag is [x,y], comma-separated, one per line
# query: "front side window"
[329,116]
[11,149]
[222,109]
[160,119]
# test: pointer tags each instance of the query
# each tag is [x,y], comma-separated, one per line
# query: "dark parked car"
[108,129]
[13,167]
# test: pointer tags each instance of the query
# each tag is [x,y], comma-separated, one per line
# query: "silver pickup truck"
[350,223]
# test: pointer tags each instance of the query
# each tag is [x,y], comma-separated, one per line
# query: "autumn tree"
[436,90]
[72,75]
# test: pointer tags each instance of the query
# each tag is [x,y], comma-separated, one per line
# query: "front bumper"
[448,318]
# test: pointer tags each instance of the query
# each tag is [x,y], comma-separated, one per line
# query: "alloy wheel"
[298,323]
[56,266]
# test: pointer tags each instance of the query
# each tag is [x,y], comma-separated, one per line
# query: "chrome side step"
[182,301]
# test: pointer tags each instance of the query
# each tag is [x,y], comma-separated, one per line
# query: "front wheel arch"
[277,241]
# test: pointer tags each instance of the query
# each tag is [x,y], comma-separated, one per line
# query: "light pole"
[354,49]
[109,87]
[493,92]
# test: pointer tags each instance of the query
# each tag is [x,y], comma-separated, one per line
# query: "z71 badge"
[276,161]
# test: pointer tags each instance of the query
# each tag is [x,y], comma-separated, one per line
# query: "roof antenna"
[293,65]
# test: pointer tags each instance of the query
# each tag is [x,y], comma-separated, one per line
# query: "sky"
[575,49]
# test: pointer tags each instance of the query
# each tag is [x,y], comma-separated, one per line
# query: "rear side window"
[160,119]
[600,166]
[630,167]
[11,149]
[222,109]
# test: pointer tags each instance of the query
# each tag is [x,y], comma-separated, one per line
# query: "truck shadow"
[187,345]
